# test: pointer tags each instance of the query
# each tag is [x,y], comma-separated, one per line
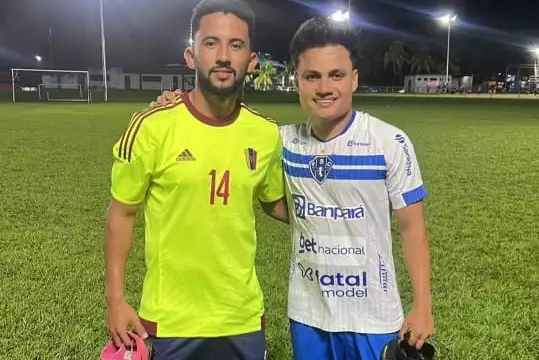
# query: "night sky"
[146,34]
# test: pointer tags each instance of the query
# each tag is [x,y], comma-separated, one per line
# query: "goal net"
[50,85]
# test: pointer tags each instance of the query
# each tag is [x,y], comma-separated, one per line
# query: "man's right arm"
[134,161]
[118,239]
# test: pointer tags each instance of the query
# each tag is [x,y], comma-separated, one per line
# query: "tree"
[422,61]
[287,73]
[397,57]
[266,76]
[454,68]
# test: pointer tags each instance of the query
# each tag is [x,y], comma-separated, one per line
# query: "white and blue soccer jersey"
[342,271]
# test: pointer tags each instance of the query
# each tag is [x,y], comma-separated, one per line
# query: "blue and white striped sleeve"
[404,180]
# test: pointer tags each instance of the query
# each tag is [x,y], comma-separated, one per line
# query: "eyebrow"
[217,39]
[331,72]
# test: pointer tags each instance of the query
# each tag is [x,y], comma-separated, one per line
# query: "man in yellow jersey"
[196,165]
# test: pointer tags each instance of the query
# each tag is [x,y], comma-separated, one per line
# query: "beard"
[221,90]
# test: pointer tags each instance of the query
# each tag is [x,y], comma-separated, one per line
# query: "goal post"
[50,85]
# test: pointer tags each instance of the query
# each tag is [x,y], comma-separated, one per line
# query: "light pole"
[447,20]
[535,51]
[103,50]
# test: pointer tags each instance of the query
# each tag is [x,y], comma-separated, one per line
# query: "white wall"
[167,82]
[63,79]
[144,81]
[188,82]
[135,81]
[114,75]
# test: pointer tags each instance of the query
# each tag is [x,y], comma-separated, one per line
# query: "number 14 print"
[222,190]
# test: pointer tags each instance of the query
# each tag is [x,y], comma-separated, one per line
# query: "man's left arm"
[271,192]
[407,193]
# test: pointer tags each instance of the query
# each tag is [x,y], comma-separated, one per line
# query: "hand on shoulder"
[166,98]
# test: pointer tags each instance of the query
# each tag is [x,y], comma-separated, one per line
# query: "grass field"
[479,161]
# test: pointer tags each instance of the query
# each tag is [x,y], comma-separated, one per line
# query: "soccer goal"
[50,85]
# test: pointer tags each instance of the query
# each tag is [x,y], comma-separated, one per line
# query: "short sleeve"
[404,180]
[272,187]
[134,159]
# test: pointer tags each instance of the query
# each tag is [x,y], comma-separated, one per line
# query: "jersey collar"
[347,127]
[209,120]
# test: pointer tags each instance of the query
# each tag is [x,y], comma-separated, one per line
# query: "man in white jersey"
[345,171]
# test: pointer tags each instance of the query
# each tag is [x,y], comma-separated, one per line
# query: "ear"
[253,61]
[355,79]
[189,56]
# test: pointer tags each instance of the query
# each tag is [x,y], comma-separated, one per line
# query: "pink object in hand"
[139,350]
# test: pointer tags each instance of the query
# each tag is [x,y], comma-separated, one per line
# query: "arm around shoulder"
[271,192]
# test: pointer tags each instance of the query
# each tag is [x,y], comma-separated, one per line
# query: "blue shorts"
[309,343]
[242,347]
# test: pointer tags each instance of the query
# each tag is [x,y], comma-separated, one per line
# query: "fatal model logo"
[337,285]
[320,167]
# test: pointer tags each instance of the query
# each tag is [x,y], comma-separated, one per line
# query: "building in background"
[172,76]
[434,83]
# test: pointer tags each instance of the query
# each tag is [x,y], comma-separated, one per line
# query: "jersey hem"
[153,329]
[372,329]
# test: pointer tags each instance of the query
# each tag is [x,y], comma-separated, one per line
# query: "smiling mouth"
[324,102]
[223,71]
[223,74]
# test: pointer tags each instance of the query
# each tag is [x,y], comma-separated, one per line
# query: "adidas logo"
[185,155]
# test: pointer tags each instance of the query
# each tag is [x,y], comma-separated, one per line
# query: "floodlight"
[447,19]
[38,58]
[340,16]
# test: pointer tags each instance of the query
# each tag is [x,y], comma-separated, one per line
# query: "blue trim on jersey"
[350,122]
[338,174]
[366,160]
[415,195]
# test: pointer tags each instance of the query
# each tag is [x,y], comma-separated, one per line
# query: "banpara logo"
[304,209]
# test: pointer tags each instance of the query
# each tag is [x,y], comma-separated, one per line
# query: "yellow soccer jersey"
[198,180]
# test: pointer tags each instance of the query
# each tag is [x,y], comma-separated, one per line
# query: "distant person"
[195,166]
[346,170]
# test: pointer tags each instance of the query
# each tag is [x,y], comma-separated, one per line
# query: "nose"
[324,88]
[223,55]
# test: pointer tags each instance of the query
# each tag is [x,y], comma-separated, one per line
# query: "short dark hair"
[320,32]
[236,7]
